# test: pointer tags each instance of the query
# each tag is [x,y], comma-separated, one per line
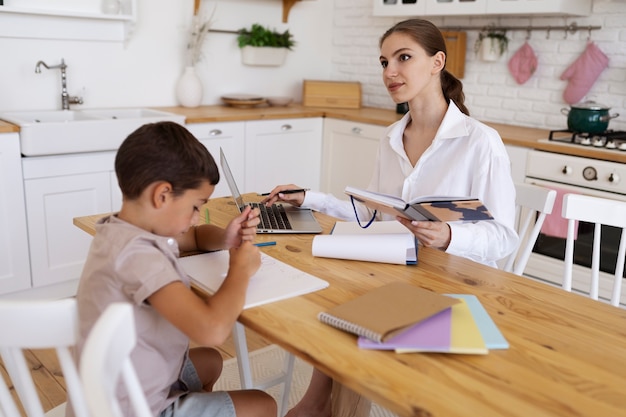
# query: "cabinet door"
[517,156]
[350,150]
[559,7]
[14,259]
[58,248]
[283,152]
[230,137]
[455,7]
[399,7]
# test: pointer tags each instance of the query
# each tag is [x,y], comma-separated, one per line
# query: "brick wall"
[491,92]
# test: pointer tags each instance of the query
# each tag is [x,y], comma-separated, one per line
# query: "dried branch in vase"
[199,28]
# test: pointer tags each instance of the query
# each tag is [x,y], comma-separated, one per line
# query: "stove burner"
[609,139]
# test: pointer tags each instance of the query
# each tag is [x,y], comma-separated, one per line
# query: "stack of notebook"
[410,319]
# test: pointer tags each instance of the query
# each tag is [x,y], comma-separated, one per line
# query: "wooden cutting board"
[456,44]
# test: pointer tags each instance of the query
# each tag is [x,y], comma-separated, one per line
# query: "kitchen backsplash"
[492,94]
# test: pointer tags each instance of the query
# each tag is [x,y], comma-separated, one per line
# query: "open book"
[384,241]
[433,208]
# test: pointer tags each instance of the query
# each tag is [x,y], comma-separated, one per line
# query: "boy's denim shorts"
[197,402]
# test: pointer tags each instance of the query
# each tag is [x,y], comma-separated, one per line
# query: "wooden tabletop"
[567,354]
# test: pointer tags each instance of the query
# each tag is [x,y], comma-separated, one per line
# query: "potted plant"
[262,46]
[492,44]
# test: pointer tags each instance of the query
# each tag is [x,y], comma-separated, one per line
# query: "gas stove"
[610,140]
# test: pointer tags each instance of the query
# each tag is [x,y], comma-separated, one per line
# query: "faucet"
[66,99]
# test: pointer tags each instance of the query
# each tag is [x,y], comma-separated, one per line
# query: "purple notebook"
[432,334]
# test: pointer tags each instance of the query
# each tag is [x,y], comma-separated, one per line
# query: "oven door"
[546,261]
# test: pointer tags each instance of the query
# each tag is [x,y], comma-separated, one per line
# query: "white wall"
[144,72]
[491,92]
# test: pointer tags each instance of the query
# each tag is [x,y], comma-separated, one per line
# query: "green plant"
[499,36]
[258,35]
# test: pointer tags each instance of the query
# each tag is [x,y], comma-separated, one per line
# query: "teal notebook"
[491,334]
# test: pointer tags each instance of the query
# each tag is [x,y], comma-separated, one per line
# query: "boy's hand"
[242,228]
[245,260]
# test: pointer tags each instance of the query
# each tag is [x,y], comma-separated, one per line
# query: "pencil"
[207,220]
[297,190]
[265,244]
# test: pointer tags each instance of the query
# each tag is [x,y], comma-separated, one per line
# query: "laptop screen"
[231,181]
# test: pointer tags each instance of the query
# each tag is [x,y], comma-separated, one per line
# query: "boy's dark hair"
[163,151]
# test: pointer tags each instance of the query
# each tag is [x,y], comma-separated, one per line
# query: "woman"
[435,149]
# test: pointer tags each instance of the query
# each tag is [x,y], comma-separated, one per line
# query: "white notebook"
[274,281]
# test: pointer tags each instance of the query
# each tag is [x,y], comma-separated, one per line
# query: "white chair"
[599,211]
[106,359]
[533,204]
[245,373]
[38,325]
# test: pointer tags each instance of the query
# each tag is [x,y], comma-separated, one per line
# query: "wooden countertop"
[6,127]
[511,135]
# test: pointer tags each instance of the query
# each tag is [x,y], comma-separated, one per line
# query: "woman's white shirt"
[466,158]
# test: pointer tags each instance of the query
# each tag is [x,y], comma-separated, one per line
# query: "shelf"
[67,24]
[287,5]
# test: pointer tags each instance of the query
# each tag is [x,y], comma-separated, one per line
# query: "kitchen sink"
[54,132]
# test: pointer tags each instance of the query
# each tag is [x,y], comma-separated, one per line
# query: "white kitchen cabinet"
[14,259]
[77,20]
[230,137]
[517,156]
[283,151]
[542,7]
[456,7]
[481,7]
[57,189]
[349,154]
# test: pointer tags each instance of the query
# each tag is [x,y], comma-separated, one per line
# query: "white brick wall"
[491,92]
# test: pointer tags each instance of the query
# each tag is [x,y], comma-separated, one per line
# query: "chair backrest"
[599,211]
[106,359]
[533,203]
[38,325]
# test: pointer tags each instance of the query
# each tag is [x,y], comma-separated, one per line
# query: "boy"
[166,175]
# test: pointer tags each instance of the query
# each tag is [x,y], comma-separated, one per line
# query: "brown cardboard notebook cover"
[386,310]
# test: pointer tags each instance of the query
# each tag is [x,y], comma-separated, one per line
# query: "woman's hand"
[242,228]
[295,199]
[431,234]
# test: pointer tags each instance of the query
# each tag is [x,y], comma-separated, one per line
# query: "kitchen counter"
[6,127]
[527,137]
[511,135]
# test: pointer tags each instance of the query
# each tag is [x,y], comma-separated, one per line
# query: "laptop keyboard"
[273,217]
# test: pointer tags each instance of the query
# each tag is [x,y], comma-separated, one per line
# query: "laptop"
[278,218]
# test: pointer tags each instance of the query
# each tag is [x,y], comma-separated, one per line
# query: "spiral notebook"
[385,311]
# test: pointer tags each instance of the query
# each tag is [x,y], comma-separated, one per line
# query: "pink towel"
[523,63]
[583,73]
[554,224]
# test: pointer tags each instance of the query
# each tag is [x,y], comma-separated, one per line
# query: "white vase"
[189,88]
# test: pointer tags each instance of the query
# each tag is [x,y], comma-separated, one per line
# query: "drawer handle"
[215,132]
[285,127]
[356,130]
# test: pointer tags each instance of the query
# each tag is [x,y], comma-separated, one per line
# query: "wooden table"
[567,354]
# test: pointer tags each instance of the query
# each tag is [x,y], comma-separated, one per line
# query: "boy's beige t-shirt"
[128,264]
